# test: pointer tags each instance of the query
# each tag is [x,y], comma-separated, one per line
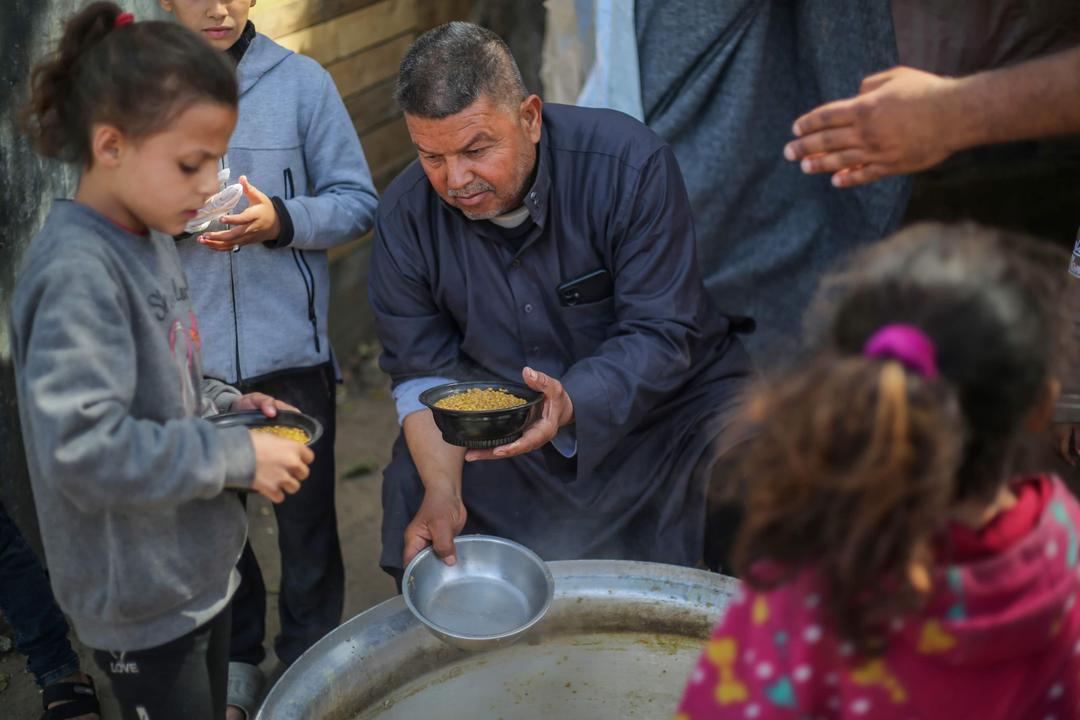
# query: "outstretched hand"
[556,411]
[897,124]
[257,223]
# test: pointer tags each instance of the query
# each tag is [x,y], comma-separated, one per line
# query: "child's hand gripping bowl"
[281,465]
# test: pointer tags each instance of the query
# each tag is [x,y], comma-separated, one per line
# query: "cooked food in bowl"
[482,414]
[296,426]
[478,399]
[289,433]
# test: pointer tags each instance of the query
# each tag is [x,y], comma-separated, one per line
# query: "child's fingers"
[301,471]
[229,235]
[221,246]
[253,193]
[268,406]
[244,218]
[275,496]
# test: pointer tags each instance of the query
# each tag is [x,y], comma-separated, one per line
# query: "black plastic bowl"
[285,418]
[481,429]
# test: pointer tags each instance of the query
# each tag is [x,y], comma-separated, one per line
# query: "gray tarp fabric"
[723,82]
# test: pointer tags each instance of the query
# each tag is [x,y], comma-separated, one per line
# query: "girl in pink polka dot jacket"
[895,563]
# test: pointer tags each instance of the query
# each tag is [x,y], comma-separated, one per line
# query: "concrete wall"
[28,29]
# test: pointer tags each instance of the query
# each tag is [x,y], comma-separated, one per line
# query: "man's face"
[219,21]
[479,159]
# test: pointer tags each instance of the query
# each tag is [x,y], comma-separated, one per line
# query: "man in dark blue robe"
[509,200]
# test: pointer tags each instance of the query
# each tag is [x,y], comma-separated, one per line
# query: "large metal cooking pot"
[618,642]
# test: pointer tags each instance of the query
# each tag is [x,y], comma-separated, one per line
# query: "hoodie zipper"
[232,294]
[305,270]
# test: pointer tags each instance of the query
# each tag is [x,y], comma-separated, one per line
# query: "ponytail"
[136,76]
[852,473]
[48,117]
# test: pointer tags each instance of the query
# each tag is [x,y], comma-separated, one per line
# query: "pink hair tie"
[123,19]
[906,344]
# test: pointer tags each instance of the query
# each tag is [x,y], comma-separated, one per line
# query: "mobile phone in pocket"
[589,288]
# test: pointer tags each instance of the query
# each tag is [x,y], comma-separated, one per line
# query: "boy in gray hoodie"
[263,299]
[128,479]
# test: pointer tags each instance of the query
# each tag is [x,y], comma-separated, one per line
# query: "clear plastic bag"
[219,204]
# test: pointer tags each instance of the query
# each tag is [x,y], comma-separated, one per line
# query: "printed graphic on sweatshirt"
[163,303]
[185,344]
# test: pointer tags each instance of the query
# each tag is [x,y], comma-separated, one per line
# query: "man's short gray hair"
[449,67]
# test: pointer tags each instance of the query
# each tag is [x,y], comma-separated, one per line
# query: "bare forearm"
[1038,98]
[438,462]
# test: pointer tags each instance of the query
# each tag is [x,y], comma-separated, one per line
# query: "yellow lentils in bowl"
[289,433]
[480,399]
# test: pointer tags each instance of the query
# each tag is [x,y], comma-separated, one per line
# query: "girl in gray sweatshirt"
[128,478]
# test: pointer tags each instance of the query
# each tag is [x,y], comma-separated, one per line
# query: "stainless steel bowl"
[495,592]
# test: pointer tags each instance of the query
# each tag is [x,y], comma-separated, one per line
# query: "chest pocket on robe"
[589,325]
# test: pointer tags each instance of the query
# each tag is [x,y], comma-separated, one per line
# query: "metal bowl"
[286,418]
[495,592]
[482,428]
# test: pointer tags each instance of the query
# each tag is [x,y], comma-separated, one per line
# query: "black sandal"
[78,699]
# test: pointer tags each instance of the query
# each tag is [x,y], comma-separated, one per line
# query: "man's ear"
[531,113]
[107,145]
[1043,413]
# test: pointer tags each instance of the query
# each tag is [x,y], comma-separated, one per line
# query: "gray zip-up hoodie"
[127,477]
[263,309]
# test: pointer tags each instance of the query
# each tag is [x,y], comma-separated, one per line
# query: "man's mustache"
[471,189]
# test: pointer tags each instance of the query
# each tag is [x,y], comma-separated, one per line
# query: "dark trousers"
[724,510]
[26,600]
[312,572]
[180,680]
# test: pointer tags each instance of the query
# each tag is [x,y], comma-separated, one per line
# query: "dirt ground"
[366,430]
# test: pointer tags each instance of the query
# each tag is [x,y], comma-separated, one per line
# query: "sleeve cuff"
[407,394]
[239,457]
[218,397]
[592,416]
[285,224]
[565,441]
